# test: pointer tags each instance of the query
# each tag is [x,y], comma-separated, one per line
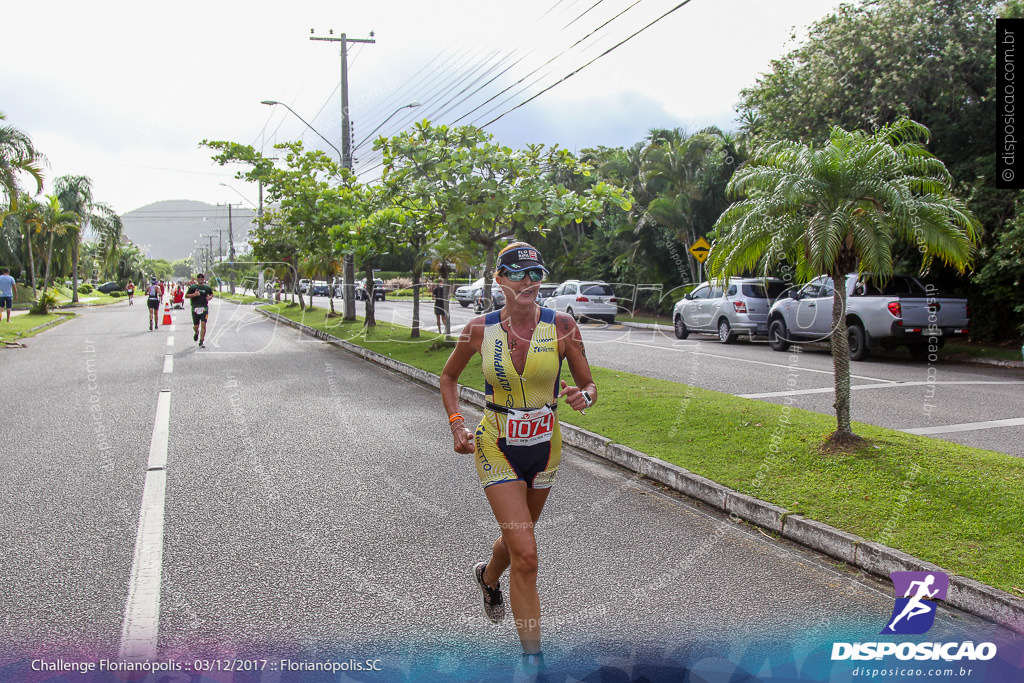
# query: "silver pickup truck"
[900,312]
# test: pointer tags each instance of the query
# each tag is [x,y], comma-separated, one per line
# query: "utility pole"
[209,257]
[231,247]
[346,156]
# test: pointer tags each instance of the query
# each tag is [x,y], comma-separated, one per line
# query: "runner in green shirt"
[200,293]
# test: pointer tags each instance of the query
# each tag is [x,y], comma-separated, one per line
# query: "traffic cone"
[167,316]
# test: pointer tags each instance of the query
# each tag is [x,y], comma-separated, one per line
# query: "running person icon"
[200,293]
[915,606]
[517,445]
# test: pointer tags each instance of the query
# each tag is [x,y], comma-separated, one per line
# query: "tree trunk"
[74,267]
[49,257]
[31,261]
[370,319]
[489,273]
[447,305]
[843,437]
[417,271]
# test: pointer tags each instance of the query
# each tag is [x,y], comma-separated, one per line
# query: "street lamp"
[414,103]
[232,187]
[341,157]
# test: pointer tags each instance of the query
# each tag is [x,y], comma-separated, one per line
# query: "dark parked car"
[378,290]
[108,287]
[320,289]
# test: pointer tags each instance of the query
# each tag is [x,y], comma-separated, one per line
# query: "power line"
[576,71]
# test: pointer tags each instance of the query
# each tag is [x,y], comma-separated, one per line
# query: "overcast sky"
[124,91]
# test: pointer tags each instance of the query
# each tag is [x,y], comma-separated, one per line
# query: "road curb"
[964,593]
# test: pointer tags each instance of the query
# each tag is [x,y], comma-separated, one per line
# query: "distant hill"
[171,229]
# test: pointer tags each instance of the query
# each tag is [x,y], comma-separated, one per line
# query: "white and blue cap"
[520,256]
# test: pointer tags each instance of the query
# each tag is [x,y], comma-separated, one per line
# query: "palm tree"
[26,214]
[108,226]
[17,155]
[321,266]
[840,209]
[75,194]
[678,170]
[53,220]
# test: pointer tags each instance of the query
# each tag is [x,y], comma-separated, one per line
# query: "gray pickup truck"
[899,312]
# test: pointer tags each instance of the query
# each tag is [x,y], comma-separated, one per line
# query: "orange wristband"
[455,417]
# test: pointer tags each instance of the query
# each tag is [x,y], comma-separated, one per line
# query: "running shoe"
[195,337]
[494,606]
[150,325]
[202,345]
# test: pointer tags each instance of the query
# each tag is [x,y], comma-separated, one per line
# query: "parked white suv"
[585,299]
[739,306]
[464,294]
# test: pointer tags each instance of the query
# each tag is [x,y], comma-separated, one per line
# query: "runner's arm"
[467,345]
[570,343]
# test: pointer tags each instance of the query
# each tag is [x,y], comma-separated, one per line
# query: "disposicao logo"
[913,613]
[916,593]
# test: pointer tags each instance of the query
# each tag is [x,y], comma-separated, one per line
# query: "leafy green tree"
[17,155]
[311,194]
[486,193]
[182,268]
[838,209]
[159,268]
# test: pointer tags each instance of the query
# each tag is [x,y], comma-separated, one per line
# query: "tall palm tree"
[17,155]
[75,194]
[321,266]
[679,170]
[840,209]
[107,225]
[25,215]
[53,220]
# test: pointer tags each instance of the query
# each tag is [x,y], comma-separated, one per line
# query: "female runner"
[517,443]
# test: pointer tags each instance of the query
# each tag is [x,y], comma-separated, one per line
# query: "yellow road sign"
[700,250]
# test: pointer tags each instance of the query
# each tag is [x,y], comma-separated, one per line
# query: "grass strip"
[956,506]
[29,325]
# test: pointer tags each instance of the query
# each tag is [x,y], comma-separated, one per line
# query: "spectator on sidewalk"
[8,290]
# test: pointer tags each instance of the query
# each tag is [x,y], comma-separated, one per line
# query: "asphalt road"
[314,510]
[969,404]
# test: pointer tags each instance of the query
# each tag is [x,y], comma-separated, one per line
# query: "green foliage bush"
[117,294]
[84,288]
[44,303]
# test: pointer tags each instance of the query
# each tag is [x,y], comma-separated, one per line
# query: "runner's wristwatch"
[587,398]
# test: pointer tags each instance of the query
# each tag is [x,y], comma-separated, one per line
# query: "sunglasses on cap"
[536,274]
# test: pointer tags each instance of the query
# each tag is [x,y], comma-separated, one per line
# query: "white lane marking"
[859,387]
[168,364]
[161,432]
[170,340]
[757,362]
[966,426]
[142,609]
